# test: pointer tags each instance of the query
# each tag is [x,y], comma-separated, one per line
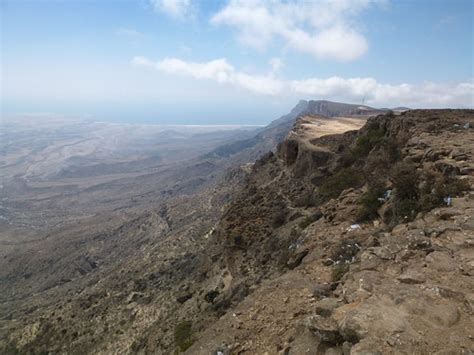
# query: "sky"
[231,62]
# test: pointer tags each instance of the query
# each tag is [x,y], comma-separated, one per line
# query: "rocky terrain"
[358,242]
[331,266]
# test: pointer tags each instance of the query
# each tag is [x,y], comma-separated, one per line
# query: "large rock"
[375,316]
[326,329]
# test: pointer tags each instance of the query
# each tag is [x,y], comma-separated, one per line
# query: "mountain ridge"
[268,137]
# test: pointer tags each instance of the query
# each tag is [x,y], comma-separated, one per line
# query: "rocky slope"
[398,281]
[313,255]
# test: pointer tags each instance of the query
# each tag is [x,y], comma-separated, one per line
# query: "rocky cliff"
[354,243]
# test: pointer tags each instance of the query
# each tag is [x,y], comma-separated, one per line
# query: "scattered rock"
[296,259]
[447,213]
[325,306]
[325,328]
[412,277]
[323,290]
[183,298]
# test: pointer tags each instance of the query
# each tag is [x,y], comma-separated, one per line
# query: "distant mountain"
[268,137]
[339,109]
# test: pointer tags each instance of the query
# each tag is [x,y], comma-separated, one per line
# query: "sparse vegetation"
[367,142]
[211,296]
[405,183]
[369,202]
[305,222]
[343,179]
[278,218]
[310,219]
[338,271]
[183,335]
[437,187]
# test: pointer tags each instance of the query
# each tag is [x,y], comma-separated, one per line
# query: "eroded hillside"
[354,243]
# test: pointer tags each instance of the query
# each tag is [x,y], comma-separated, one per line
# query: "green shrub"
[343,179]
[405,210]
[437,187]
[390,114]
[369,202]
[338,271]
[405,183]
[305,222]
[367,142]
[279,218]
[183,335]
[211,296]
[454,186]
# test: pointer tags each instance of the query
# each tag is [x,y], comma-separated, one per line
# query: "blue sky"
[226,62]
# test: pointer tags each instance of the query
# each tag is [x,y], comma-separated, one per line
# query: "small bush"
[437,187]
[343,179]
[338,271]
[306,200]
[183,335]
[405,210]
[369,202]
[454,186]
[405,181]
[211,296]
[310,219]
[305,223]
[390,114]
[367,142]
[279,218]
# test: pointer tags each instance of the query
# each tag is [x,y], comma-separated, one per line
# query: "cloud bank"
[324,28]
[366,89]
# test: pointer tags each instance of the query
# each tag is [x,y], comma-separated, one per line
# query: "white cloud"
[218,70]
[367,89]
[175,8]
[276,64]
[324,28]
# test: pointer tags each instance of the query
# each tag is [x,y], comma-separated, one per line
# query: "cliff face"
[267,138]
[357,242]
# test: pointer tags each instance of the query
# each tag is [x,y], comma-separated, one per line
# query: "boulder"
[326,329]
[296,258]
[306,342]
[323,290]
[325,306]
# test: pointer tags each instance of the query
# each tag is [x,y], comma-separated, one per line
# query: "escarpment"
[355,242]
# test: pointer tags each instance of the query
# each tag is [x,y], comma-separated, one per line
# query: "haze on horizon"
[231,62]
